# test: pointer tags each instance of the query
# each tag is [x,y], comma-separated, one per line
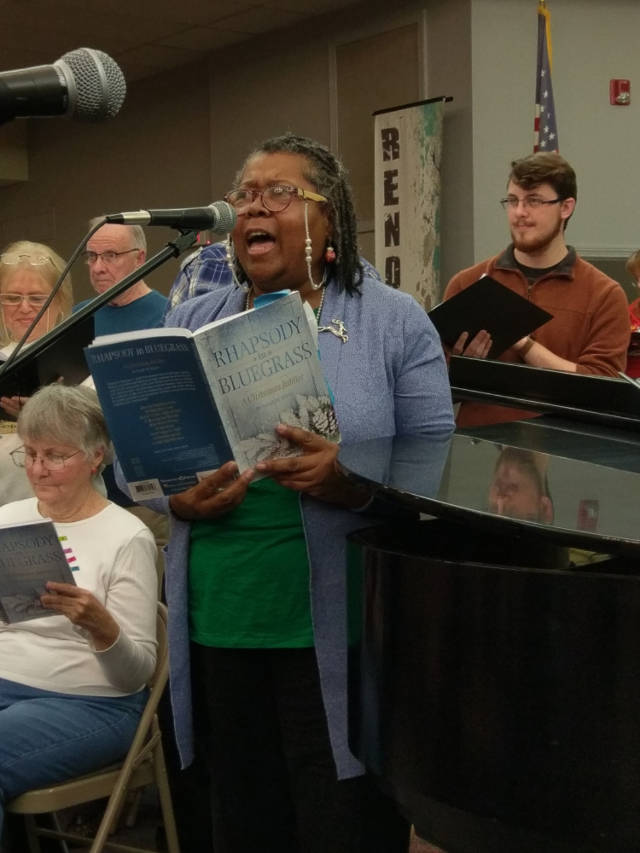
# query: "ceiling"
[143,36]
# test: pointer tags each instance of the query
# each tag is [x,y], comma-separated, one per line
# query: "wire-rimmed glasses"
[107,257]
[532,201]
[24,458]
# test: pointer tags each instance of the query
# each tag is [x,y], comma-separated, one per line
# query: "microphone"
[84,83]
[218,217]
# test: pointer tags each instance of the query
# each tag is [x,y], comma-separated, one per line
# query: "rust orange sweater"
[590,324]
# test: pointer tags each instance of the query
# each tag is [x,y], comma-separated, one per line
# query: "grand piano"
[495,659]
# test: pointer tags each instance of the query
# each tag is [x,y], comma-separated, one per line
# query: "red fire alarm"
[620,93]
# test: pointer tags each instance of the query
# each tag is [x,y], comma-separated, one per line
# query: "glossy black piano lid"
[598,398]
[574,502]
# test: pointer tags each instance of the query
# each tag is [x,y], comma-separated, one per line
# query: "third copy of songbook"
[179,404]
[30,555]
[487,304]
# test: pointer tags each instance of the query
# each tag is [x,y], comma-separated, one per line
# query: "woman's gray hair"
[66,414]
[24,254]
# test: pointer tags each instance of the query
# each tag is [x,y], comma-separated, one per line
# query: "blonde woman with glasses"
[28,273]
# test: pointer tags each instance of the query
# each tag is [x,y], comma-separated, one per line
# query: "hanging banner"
[408,147]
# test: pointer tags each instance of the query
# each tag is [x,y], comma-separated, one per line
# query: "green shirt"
[249,574]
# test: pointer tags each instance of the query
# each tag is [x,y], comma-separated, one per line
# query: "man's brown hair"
[545,167]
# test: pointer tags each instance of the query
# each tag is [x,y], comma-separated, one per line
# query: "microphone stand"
[184,241]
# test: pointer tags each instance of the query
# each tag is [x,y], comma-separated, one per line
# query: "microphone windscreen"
[99,82]
[227,217]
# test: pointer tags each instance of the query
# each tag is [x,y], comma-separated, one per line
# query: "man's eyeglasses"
[24,458]
[532,201]
[13,259]
[34,300]
[275,198]
[108,257]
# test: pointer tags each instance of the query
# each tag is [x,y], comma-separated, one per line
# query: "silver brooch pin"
[339,331]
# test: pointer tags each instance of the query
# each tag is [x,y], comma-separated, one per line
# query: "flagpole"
[547,27]
[545,131]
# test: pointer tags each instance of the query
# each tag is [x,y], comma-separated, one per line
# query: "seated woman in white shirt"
[28,272]
[72,683]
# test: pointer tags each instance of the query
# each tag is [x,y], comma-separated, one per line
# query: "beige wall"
[321,80]
[182,135]
[449,73]
[279,84]
[300,90]
[593,41]
[155,153]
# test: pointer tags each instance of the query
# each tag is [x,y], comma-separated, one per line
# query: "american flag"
[545,130]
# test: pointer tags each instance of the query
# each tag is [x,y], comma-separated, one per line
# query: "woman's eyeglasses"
[13,259]
[34,300]
[275,198]
[24,458]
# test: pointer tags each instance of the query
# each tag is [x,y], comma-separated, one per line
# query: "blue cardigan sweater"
[389,379]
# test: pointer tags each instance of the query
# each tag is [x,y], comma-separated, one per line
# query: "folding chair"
[143,765]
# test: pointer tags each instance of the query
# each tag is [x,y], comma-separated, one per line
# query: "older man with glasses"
[589,332]
[114,252]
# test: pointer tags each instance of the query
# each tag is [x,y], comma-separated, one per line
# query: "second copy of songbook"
[487,304]
[30,555]
[179,404]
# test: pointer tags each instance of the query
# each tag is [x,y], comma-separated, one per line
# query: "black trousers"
[273,782]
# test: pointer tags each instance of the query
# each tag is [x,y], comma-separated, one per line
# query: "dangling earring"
[230,259]
[329,255]
[308,251]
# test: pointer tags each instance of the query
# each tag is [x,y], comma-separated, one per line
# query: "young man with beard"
[589,332]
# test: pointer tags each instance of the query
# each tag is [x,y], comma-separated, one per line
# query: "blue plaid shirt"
[206,269]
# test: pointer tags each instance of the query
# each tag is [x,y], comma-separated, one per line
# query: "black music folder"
[487,304]
[57,355]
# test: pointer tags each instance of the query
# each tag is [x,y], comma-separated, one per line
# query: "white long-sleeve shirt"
[112,554]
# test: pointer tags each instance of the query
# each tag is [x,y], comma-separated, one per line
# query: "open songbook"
[30,555]
[179,404]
